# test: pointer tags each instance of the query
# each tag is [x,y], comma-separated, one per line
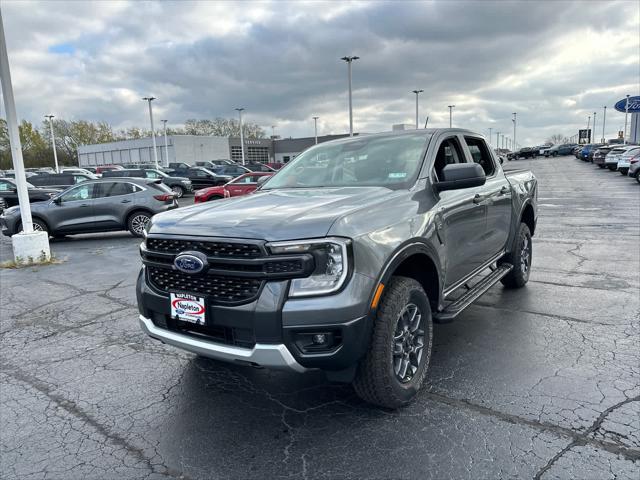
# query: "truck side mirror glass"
[461,175]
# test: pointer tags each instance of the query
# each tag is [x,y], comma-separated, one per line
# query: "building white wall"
[192,148]
[182,148]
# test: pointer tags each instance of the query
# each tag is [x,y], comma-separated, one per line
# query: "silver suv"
[96,206]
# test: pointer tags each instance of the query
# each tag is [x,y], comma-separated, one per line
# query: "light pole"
[604,120]
[349,61]
[497,140]
[27,245]
[166,145]
[515,115]
[417,92]
[502,136]
[53,142]
[239,110]
[490,136]
[451,107]
[153,132]
[588,125]
[626,114]
[593,128]
[315,128]
[273,131]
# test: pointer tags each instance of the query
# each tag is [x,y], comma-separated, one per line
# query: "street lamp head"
[315,118]
[417,91]
[49,116]
[451,106]
[239,109]
[148,99]
[350,58]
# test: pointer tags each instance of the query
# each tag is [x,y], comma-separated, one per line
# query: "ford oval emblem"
[634,105]
[190,262]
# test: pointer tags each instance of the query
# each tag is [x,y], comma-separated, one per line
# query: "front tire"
[396,364]
[613,168]
[137,222]
[520,257]
[601,165]
[38,226]
[624,171]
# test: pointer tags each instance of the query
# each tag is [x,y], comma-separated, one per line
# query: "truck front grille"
[218,288]
[213,249]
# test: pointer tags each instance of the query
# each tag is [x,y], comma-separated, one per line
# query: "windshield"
[388,161]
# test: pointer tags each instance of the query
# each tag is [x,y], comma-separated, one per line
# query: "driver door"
[75,211]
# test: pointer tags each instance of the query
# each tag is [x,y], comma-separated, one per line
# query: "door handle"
[478,198]
[125,201]
[83,205]
[504,190]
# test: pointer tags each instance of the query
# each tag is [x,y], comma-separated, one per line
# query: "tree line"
[70,134]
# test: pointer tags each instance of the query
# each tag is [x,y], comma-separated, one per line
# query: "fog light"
[319,339]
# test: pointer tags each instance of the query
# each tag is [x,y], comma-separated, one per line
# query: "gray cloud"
[553,62]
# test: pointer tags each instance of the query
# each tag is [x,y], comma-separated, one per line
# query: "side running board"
[457,306]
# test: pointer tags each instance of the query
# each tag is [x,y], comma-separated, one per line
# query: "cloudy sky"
[552,62]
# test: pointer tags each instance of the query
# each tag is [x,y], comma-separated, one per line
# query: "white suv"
[624,160]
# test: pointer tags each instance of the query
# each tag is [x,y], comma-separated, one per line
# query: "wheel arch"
[417,260]
[527,216]
[34,217]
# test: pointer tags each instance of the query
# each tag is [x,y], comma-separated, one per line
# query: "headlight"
[331,257]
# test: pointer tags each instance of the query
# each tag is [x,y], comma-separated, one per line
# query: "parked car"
[179,185]
[107,168]
[96,206]
[201,177]
[132,166]
[525,152]
[215,163]
[586,149]
[75,170]
[232,170]
[611,161]
[243,185]
[634,166]
[60,180]
[543,149]
[12,174]
[9,193]
[600,154]
[564,149]
[624,160]
[342,269]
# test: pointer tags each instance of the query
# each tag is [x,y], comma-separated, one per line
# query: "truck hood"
[272,215]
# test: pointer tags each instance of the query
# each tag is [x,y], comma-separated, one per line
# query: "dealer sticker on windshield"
[187,308]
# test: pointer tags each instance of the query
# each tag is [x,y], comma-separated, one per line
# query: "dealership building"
[196,148]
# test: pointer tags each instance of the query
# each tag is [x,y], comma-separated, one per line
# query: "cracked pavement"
[541,382]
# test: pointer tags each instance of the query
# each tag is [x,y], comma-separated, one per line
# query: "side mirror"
[501,160]
[461,175]
[57,200]
[261,180]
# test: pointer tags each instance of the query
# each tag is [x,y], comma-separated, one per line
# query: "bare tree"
[557,138]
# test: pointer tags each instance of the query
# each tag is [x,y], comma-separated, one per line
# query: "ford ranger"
[343,259]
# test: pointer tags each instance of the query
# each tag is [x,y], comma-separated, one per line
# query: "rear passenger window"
[115,189]
[480,154]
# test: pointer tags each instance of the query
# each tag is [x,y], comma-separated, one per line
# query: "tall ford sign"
[634,105]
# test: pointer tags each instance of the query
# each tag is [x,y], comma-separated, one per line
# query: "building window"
[252,154]
[285,159]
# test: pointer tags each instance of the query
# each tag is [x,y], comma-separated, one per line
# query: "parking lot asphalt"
[541,382]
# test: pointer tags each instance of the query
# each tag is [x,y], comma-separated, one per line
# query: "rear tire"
[613,168]
[520,257]
[178,190]
[396,364]
[624,171]
[601,165]
[137,222]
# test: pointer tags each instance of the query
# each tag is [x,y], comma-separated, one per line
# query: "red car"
[242,185]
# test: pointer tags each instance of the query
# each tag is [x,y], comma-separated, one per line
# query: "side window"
[115,189]
[151,174]
[79,178]
[81,192]
[481,155]
[448,153]
[5,186]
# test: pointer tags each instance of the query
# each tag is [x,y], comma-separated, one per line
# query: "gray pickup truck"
[342,260]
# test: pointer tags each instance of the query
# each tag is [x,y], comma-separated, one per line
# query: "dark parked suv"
[9,193]
[179,185]
[59,180]
[96,206]
[343,259]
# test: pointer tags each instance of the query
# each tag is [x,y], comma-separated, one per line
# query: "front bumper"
[263,355]
[268,330]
